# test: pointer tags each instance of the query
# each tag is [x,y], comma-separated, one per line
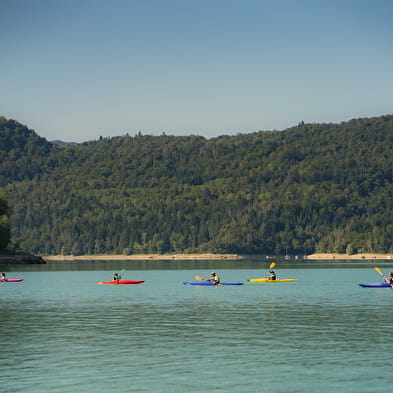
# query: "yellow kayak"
[267,280]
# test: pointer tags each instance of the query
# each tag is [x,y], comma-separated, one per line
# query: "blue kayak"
[379,285]
[208,283]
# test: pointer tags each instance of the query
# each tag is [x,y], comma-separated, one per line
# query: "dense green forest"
[5,232]
[310,188]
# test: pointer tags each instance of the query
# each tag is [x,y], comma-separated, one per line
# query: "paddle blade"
[272,265]
[122,271]
[198,278]
[378,270]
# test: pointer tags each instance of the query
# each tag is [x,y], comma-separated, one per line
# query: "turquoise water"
[60,332]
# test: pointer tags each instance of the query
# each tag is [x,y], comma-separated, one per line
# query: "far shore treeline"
[323,188]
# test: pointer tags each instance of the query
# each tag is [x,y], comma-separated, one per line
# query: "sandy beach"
[328,256]
[347,256]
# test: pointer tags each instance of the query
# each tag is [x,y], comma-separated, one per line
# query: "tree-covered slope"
[23,154]
[315,187]
[5,233]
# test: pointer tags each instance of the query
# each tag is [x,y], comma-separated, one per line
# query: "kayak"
[120,282]
[379,285]
[267,280]
[12,280]
[208,283]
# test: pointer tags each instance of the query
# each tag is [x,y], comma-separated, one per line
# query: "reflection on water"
[247,263]
[63,333]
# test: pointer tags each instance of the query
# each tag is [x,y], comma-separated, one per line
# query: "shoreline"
[209,256]
[141,256]
[21,259]
[365,256]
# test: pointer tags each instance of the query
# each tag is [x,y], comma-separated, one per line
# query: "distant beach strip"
[367,256]
[208,256]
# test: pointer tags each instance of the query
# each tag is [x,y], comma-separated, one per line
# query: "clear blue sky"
[78,69]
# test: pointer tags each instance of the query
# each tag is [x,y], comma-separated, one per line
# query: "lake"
[61,332]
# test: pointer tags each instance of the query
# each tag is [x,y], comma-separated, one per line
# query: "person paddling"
[2,277]
[214,278]
[116,277]
[272,275]
[389,279]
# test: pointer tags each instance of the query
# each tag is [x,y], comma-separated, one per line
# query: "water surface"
[61,332]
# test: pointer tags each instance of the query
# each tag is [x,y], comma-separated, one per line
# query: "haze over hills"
[310,188]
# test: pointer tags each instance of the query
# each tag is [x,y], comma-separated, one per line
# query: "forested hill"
[314,187]
[23,154]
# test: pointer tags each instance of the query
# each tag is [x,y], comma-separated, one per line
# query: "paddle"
[378,270]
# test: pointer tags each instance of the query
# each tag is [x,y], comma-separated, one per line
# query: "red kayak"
[12,280]
[120,282]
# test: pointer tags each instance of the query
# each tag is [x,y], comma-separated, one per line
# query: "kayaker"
[116,277]
[214,278]
[272,275]
[389,279]
[2,277]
